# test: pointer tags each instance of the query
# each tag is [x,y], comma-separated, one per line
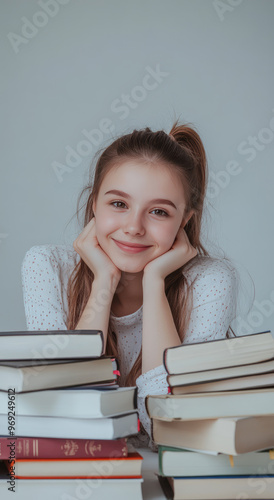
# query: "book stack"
[215,430]
[64,420]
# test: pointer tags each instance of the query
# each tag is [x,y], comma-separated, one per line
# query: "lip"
[131,247]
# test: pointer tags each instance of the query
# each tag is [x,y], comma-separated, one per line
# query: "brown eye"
[162,214]
[118,202]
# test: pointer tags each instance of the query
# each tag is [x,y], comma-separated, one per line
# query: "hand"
[87,246]
[180,253]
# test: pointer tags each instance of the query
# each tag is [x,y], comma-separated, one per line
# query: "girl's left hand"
[180,253]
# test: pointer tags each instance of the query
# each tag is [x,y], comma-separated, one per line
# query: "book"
[61,448]
[220,373]
[119,467]
[203,405]
[233,384]
[218,488]
[232,436]
[37,375]
[81,402]
[73,428]
[219,353]
[178,462]
[60,344]
[70,489]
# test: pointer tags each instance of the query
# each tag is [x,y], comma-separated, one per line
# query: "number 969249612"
[11,412]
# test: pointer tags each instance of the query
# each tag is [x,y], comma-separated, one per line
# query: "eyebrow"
[158,200]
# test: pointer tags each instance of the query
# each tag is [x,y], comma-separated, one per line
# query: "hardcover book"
[72,402]
[219,353]
[25,447]
[37,375]
[218,488]
[73,428]
[178,462]
[60,344]
[203,405]
[232,436]
[118,467]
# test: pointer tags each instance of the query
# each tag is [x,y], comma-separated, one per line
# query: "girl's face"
[142,205]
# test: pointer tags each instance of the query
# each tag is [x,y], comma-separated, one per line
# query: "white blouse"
[45,271]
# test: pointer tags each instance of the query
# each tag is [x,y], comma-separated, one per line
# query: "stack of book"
[64,420]
[215,430]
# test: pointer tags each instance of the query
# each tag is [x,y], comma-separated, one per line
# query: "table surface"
[151,487]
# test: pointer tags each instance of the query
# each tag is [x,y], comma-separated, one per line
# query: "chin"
[129,267]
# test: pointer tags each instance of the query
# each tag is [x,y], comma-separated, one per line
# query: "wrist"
[105,287]
[151,281]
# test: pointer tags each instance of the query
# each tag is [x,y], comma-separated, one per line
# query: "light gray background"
[69,74]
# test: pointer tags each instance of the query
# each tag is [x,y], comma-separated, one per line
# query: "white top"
[45,272]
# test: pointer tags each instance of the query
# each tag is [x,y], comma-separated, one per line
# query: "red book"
[25,447]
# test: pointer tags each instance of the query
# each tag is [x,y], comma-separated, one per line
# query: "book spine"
[146,406]
[135,394]
[164,360]
[152,429]
[102,341]
[160,460]
[61,448]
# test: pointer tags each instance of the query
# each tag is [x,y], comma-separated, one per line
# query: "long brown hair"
[182,150]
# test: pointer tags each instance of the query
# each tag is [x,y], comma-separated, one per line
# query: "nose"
[133,224]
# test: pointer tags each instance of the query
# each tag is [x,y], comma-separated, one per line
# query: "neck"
[130,288]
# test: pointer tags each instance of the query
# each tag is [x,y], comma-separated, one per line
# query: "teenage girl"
[138,270]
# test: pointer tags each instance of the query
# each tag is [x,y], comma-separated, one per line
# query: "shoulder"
[204,271]
[51,256]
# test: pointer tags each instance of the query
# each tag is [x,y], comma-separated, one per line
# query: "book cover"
[24,447]
[49,344]
[219,353]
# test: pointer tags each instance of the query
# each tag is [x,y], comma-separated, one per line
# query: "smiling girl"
[139,271]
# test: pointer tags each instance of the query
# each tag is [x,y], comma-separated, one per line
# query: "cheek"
[165,237]
[105,224]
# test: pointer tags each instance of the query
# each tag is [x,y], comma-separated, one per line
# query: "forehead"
[133,176]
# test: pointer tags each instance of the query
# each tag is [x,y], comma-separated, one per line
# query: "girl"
[139,271]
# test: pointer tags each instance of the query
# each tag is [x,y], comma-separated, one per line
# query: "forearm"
[159,331]
[97,310]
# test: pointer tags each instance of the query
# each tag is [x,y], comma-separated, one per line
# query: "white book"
[231,436]
[72,428]
[36,375]
[219,488]
[72,489]
[204,405]
[45,344]
[81,402]
[181,462]
[221,373]
[219,353]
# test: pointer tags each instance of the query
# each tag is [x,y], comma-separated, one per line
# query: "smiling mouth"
[131,247]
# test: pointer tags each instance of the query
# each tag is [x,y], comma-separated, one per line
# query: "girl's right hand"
[87,246]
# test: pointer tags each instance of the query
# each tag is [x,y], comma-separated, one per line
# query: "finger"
[90,225]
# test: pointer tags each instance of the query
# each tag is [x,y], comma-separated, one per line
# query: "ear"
[187,218]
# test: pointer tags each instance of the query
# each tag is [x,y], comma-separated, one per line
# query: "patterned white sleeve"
[214,302]
[43,295]
[152,382]
[214,297]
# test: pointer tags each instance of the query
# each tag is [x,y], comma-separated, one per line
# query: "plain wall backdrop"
[75,74]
